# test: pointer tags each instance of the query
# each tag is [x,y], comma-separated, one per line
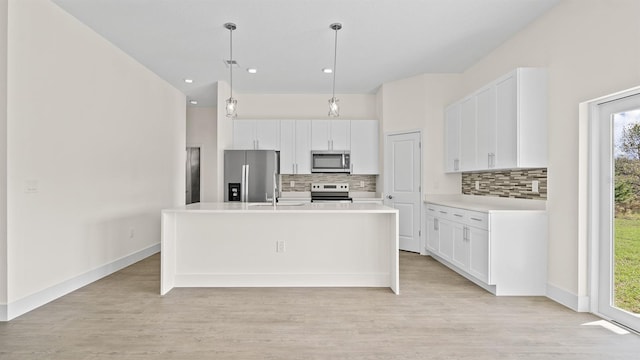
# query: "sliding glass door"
[619,208]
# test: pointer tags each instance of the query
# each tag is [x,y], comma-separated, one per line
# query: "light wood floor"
[439,315]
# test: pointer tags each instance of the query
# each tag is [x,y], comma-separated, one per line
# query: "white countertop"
[486,203]
[238,207]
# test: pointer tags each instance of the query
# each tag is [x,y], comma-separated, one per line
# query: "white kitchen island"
[299,245]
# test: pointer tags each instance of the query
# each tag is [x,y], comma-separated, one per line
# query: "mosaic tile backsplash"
[303,182]
[507,183]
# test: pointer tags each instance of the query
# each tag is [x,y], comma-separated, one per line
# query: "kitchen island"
[295,245]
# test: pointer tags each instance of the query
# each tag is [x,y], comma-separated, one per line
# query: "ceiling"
[289,41]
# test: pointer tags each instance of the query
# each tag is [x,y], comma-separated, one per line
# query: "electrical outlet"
[280,246]
[534,186]
[292,183]
[132,233]
[361,183]
[477,185]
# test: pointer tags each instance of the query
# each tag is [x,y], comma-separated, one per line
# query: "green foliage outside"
[627,220]
[627,263]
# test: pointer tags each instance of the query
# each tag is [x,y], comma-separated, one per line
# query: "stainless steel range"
[330,192]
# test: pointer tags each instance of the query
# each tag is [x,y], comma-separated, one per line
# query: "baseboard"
[570,300]
[31,302]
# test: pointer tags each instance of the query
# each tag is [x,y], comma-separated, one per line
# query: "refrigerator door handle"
[242,184]
[246,184]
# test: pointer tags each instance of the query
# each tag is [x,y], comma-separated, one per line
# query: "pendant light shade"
[334,108]
[231,103]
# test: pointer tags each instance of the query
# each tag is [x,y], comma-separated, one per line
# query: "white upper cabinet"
[364,147]
[503,125]
[506,126]
[256,134]
[295,146]
[330,135]
[522,107]
[468,123]
[452,138]
[486,128]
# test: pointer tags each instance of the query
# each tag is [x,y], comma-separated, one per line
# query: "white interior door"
[618,240]
[402,185]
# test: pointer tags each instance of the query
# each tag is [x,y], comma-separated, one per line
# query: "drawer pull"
[476,219]
[443,212]
[458,215]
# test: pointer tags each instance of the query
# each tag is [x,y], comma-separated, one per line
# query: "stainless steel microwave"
[330,162]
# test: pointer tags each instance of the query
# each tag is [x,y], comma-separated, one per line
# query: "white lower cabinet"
[502,251]
[478,240]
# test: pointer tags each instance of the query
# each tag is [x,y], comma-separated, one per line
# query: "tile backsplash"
[506,183]
[303,182]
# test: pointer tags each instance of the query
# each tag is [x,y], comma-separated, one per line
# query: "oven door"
[329,162]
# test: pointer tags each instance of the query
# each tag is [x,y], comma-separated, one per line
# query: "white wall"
[201,132]
[3,155]
[418,103]
[304,106]
[591,48]
[101,135]
[224,135]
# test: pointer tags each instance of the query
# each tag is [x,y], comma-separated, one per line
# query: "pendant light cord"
[335,55]
[231,63]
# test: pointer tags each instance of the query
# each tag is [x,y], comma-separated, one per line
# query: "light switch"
[31,186]
[534,186]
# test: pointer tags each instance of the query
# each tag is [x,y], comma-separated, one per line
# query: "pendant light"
[334,109]
[231,103]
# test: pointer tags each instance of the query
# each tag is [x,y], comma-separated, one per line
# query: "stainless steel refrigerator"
[251,175]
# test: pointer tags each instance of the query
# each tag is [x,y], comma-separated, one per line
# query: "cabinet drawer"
[477,219]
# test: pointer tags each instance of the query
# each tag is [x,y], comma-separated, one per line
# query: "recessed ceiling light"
[193,102]
[188,81]
[252,70]
[327,71]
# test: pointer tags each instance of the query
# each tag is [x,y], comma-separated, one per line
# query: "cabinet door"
[460,256]
[452,138]
[433,235]
[479,254]
[447,233]
[506,123]
[468,148]
[340,134]
[244,135]
[364,147]
[486,128]
[287,146]
[320,138]
[302,146]
[266,134]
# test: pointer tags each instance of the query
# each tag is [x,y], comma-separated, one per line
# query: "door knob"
[389,197]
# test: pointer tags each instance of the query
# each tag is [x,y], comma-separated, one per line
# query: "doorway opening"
[193,175]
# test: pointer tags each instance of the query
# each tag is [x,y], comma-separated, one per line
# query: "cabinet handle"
[476,219]
[436,224]
[458,215]
[489,160]
[456,164]
[442,212]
